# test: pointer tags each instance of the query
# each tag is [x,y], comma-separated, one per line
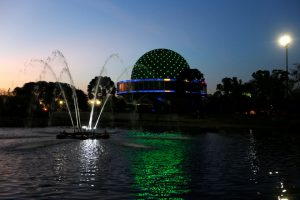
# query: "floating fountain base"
[82,135]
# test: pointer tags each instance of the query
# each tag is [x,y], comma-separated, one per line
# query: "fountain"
[79,131]
[95,95]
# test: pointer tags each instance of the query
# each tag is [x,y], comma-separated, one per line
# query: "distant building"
[161,78]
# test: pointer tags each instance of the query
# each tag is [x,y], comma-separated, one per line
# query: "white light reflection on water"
[281,188]
[252,157]
[283,195]
[90,150]
[270,175]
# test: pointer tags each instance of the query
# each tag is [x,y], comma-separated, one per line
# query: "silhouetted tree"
[232,95]
[44,96]
[269,89]
[295,74]
[190,75]
[231,86]
[294,83]
[82,100]
[186,101]
[106,86]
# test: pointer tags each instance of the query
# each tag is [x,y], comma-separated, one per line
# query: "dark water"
[149,165]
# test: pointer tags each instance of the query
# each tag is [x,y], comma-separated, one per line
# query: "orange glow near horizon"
[15,72]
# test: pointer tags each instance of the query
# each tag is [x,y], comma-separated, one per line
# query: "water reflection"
[282,196]
[90,151]
[252,157]
[82,160]
[159,171]
[142,165]
[268,170]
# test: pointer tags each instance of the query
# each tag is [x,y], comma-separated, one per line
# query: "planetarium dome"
[159,63]
[160,71]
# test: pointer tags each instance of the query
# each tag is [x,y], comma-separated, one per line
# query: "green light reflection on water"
[158,170]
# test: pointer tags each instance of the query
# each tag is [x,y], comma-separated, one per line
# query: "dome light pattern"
[159,63]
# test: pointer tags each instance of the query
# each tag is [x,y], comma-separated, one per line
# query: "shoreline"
[135,120]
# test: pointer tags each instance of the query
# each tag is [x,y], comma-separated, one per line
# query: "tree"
[230,86]
[269,89]
[232,96]
[190,75]
[189,83]
[44,96]
[294,83]
[106,86]
[296,77]
[187,75]
[82,100]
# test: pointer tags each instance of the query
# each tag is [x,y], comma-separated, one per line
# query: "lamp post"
[284,41]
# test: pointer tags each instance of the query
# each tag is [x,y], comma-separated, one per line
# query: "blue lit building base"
[161,86]
[164,95]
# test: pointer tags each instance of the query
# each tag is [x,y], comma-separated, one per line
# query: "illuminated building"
[162,75]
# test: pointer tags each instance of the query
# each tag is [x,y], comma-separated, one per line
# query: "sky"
[221,38]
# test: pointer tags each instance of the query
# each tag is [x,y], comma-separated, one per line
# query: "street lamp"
[284,41]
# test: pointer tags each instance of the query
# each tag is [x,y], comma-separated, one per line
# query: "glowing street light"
[97,102]
[285,41]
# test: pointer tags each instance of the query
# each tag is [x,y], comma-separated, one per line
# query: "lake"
[150,164]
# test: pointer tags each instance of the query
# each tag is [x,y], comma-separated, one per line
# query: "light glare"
[285,40]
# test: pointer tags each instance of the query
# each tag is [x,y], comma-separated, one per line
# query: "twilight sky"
[222,38]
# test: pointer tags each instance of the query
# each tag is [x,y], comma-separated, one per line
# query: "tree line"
[275,92]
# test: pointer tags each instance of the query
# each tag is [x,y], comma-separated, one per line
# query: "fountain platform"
[82,135]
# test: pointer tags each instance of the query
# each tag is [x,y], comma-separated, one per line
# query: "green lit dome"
[159,63]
